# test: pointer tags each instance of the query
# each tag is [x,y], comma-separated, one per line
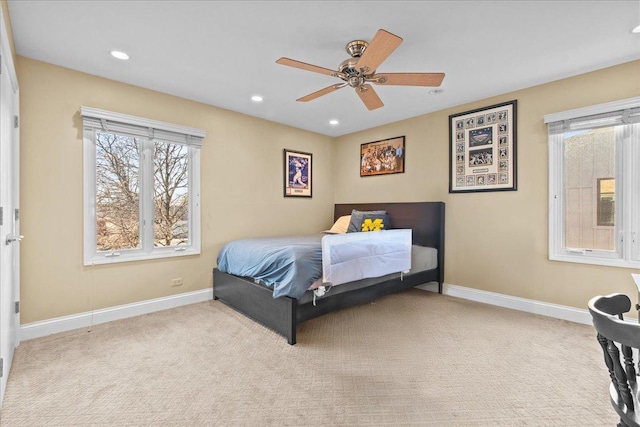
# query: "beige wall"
[242,194]
[496,241]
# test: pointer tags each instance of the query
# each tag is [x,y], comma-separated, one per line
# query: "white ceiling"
[223,52]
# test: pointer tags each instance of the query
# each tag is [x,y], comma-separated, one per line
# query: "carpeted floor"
[414,358]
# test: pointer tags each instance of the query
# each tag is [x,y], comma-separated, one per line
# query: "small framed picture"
[382,157]
[297,173]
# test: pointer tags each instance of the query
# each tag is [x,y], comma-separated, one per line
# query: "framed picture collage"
[483,149]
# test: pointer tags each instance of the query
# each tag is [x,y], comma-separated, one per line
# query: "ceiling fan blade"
[380,47]
[321,92]
[369,97]
[409,79]
[304,66]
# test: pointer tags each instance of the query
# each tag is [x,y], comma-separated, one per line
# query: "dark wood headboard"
[426,219]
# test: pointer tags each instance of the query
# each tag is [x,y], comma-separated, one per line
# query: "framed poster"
[482,149]
[382,157]
[297,173]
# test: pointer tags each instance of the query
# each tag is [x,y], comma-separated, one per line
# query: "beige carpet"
[414,358]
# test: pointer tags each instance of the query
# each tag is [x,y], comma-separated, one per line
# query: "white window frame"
[95,120]
[627,216]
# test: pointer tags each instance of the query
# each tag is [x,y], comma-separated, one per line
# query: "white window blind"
[138,126]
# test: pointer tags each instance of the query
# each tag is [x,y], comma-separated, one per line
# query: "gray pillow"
[357,217]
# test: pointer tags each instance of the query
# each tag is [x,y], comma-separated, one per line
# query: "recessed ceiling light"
[120,55]
[256,98]
[436,91]
[636,29]
[333,122]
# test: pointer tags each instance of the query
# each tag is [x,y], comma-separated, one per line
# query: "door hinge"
[17,307]
[1,215]
[1,367]
[16,121]
[17,214]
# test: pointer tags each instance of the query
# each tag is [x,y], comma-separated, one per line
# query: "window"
[606,202]
[594,184]
[142,188]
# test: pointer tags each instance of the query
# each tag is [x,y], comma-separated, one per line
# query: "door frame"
[10,215]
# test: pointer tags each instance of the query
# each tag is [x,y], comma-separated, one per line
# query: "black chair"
[618,340]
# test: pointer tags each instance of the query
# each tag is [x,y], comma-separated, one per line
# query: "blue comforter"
[288,265]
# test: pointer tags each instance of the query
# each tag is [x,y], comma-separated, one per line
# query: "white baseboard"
[85,320]
[516,303]
[89,318]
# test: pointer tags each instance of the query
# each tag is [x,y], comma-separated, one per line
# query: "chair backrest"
[618,340]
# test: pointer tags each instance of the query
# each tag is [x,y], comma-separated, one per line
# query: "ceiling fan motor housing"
[355,48]
[348,67]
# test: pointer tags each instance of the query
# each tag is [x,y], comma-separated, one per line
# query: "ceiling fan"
[360,70]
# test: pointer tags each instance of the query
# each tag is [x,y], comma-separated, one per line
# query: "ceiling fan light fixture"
[356,81]
[334,122]
[256,98]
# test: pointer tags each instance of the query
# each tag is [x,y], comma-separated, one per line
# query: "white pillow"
[341,225]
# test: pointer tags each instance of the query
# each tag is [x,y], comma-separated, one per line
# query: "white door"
[9,207]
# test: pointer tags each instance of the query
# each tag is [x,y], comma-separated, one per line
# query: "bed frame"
[284,314]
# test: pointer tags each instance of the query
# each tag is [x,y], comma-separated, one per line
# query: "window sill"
[582,259]
[129,257]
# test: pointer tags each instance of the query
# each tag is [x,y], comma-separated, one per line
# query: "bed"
[283,314]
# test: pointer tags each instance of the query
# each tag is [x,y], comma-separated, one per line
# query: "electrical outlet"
[176,282]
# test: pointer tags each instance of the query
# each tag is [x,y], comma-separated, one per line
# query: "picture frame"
[384,157]
[483,148]
[298,173]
